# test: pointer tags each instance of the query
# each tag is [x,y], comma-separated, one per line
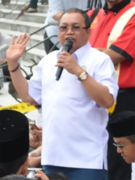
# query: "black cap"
[122,124]
[14,135]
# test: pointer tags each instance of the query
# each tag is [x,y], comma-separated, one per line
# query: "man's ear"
[89,31]
[24,167]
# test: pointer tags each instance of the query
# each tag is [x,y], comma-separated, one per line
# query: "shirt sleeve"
[55,6]
[35,83]
[105,75]
[125,43]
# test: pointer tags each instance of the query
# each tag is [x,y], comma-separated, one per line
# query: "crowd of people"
[77,136]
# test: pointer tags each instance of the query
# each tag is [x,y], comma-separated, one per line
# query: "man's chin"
[127,160]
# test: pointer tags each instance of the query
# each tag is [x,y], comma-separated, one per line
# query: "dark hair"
[131,138]
[57,176]
[87,19]
[12,167]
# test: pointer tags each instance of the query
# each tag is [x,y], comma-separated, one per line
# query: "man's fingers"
[12,40]
[60,65]
[37,131]
[41,175]
[26,40]
[18,39]
[64,53]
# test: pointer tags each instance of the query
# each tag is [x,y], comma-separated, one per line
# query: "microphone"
[67,47]
[4,47]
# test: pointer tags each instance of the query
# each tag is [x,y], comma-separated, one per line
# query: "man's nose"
[70,30]
[119,150]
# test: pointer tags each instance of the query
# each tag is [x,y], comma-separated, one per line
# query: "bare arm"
[15,51]
[3,60]
[57,16]
[115,57]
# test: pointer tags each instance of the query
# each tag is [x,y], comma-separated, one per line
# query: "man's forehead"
[72,18]
[119,140]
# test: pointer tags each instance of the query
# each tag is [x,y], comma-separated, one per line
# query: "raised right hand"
[17,48]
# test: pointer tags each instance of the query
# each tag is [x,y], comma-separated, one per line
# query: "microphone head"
[69,42]
[68,45]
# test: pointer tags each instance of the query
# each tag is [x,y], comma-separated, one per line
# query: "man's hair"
[87,19]
[57,176]
[131,138]
[12,167]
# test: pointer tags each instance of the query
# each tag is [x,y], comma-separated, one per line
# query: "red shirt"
[125,44]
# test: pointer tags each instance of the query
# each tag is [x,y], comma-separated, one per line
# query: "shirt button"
[115,13]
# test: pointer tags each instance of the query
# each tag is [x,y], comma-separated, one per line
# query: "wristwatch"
[83,76]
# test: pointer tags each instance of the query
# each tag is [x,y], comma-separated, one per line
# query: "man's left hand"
[66,61]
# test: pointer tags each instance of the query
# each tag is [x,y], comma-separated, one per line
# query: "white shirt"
[74,125]
[56,6]
[133,171]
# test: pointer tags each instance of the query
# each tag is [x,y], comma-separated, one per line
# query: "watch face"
[84,76]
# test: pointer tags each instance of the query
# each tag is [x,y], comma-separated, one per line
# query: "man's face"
[126,149]
[72,26]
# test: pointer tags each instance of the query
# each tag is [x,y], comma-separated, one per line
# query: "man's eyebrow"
[73,23]
[119,142]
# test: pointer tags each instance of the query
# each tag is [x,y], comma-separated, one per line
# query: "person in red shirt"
[121,51]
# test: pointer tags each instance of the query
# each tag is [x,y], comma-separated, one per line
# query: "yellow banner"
[21,107]
[111,109]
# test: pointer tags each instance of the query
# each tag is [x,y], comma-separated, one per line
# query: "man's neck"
[110,4]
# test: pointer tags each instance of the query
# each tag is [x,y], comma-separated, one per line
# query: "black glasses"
[73,28]
[120,145]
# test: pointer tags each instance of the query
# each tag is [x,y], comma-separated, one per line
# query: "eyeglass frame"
[67,27]
[121,145]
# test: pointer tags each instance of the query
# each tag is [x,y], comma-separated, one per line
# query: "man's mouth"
[72,39]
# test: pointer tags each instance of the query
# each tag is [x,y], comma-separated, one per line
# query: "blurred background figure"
[4,40]
[33,5]
[36,132]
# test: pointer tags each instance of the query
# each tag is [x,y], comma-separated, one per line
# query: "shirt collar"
[116,8]
[79,53]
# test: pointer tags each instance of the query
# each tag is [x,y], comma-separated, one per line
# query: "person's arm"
[35,157]
[115,57]
[123,48]
[98,92]
[3,60]
[57,16]
[34,161]
[16,50]
[56,9]
[36,152]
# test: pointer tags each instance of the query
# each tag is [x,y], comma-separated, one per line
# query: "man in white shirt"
[74,115]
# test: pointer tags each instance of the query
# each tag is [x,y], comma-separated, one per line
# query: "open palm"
[17,48]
